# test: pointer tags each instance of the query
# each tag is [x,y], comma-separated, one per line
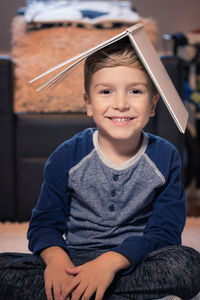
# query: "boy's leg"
[174,270]
[21,277]
[171,270]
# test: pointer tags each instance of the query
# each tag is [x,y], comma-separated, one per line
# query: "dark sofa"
[28,139]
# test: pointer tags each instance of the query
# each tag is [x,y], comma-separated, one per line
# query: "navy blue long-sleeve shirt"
[88,203]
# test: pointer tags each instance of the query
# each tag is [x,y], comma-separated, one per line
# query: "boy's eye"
[105,92]
[136,91]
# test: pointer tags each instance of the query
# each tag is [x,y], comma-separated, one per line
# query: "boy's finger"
[99,294]
[48,291]
[68,290]
[78,292]
[89,292]
[64,298]
[73,271]
[57,291]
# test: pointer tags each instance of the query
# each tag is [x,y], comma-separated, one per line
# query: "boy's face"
[120,102]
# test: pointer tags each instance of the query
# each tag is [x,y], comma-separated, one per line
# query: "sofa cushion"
[37,135]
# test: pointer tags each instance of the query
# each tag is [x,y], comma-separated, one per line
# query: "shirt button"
[111,207]
[115,177]
[113,193]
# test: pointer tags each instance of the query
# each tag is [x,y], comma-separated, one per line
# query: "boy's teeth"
[120,119]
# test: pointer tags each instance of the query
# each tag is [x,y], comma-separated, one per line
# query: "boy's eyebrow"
[131,84]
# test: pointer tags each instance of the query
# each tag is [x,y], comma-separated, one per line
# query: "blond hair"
[120,53]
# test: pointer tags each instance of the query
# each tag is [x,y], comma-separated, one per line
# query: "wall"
[171,16]
[8,9]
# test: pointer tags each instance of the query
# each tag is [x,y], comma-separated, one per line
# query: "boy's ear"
[88,105]
[154,102]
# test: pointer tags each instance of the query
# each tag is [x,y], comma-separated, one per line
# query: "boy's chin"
[121,136]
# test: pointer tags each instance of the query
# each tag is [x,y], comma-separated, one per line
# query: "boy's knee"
[186,258]
[178,257]
[190,256]
[189,270]
[182,265]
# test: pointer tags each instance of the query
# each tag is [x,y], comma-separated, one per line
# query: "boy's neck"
[118,152]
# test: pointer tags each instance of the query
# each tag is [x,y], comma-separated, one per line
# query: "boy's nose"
[120,102]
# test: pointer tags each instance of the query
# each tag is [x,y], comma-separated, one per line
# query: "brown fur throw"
[33,52]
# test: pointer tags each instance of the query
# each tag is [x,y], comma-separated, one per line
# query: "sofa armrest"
[6,84]
[7,137]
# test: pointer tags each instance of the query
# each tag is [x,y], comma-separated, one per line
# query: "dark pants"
[174,270]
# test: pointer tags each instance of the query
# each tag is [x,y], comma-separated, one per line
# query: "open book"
[150,59]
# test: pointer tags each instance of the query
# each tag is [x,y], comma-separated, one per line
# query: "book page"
[78,58]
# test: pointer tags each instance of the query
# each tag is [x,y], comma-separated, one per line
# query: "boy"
[116,194]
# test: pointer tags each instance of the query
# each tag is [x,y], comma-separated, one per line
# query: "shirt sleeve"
[166,223]
[48,222]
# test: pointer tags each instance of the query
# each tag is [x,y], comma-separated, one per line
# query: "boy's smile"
[120,102]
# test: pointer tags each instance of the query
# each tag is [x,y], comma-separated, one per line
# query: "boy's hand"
[55,276]
[56,281]
[94,277]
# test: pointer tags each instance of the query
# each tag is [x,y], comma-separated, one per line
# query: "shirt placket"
[114,193]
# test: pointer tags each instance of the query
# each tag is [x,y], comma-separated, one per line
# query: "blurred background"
[171,16]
